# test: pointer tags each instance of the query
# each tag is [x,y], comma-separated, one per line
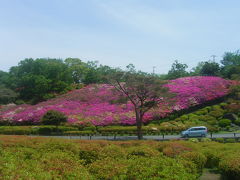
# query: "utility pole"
[154,69]
[213,57]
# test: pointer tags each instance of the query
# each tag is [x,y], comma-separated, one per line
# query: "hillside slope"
[99,105]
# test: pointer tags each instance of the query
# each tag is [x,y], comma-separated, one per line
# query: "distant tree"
[231,59]
[36,79]
[4,78]
[7,95]
[210,68]
[196,71]
[77,68]
[178,70]
[231,65]
[144,91]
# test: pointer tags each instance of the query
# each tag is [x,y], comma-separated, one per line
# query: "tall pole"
[213,56]
[154,69]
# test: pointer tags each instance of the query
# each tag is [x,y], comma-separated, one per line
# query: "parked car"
[200,131]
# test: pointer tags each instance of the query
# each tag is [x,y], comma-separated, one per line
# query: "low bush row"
[45,158]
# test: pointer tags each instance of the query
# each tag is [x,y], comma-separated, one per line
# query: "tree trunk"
[139,124]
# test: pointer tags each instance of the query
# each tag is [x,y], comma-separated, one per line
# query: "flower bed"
[100,105]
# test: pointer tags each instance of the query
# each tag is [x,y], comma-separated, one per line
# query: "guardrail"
[147,137]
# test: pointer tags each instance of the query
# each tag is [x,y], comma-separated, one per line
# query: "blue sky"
[146,33]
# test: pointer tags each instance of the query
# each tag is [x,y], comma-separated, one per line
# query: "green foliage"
[7,95]
[177,70]
[224,122]
[195,140]
[206,140]
[216,113]
[231,62]
[48,158]
[221,140]
[210,68]
[193,117]
[201,112]
[17,130]
[141,151]
[230,166]
[53,117]
[34,79]
[61,164]
[109,169]
[230,140]
[88,157]
[159,168]
[19,102]
[79,133]
[237,122]
[213,158]
[197,158]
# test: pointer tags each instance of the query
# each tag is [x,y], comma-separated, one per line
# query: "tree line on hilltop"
[35,80]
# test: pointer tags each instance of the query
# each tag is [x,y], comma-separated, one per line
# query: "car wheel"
[203,135]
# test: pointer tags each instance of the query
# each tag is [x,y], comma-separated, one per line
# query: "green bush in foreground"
[197,158]
[230,167]
[46,158]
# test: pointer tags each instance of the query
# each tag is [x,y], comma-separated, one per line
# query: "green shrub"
[230,167]
[112,151]
[208,108]
[173,149]
[19,102]
[79,133]
[213,158]
[221,140]
[195,140]
[213,122]
[108,168]
[237,122]
[49,130]
[224,122]
[198,158]
[64,165]
[230,140]
[55,145]
[206,140]
[201,112]
[88,156]
[207,118]
[216,108]
[89,128]
[141,151]
[193,117]
[217,113]
[223,105]
[17,130]
[53,117]
[163,168]
[182,118]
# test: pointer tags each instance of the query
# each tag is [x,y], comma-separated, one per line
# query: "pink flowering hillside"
[100,105]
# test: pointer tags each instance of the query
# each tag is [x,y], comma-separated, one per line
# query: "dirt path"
[209,174]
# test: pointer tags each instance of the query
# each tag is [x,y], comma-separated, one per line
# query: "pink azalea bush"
[97,104]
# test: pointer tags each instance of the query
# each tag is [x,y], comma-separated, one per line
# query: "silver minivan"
[200,131]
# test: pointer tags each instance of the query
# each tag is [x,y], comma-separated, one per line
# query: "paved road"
[166,137]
